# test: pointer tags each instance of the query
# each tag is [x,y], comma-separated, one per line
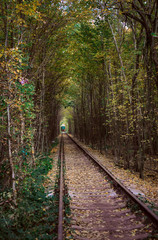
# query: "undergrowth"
[35,215]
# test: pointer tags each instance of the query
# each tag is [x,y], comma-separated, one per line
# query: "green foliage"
[35,213]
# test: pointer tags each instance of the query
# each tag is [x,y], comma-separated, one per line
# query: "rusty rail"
[61,190]
[153,217]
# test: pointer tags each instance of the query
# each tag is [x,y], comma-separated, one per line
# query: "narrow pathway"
[98,212]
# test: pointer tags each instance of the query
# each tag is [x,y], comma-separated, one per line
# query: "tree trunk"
[10,155]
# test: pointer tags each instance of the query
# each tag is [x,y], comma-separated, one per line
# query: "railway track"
[61,159]
[98,211]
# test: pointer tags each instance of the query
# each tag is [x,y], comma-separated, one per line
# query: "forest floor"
[147,189]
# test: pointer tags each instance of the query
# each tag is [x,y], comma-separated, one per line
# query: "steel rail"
[61,192]
[143,207]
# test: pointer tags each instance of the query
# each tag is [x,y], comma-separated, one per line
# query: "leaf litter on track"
[96,212]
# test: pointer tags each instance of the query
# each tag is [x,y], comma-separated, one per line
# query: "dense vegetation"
[35,214]
[97,58]
[31,83]
[114,73]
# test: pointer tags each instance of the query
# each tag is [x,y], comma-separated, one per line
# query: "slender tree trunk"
[13,183]
[120,58]
[10,155]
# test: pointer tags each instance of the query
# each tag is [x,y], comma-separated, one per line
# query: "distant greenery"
[35,213]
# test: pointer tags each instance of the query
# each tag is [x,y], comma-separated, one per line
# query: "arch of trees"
[97,57]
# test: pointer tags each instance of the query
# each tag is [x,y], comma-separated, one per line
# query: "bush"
[35,215]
